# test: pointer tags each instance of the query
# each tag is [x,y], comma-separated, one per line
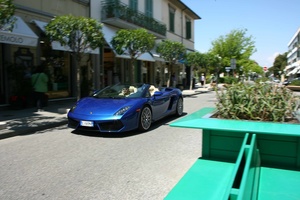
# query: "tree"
[133,42]
[7,10]
[250,66]
[279,63]
[236,45]
[172,52]
[196,59]
[80,34]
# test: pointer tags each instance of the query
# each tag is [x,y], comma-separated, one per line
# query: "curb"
[31,130]
[3,125]
[186,93]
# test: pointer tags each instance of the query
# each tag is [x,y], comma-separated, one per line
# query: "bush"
[262,102]
[230,80]
[262,79]
[295,82]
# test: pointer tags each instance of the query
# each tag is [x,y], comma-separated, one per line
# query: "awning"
[156,55]
[109,32]
[20,35]
[55,44]
[287,67]
[296,70]
[295,64]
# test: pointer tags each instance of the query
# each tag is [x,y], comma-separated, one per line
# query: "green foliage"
[7,10]
[239,46]
[134,42]
[262,102]
[262,79]
[295,82]
[171,51]
[279,64]
[196,59]
[117,9]
[234,45]
[79,33]
[230,80]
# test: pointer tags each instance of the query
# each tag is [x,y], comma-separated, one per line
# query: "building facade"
[27,45]
[292,70]
[166,19]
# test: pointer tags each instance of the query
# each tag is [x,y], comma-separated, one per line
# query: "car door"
[160,103]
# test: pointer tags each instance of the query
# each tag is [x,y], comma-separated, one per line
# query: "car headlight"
[122,110]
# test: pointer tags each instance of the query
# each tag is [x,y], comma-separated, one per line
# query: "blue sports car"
[125,107]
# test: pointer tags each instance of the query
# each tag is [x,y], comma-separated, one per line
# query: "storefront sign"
[20,35]
[11,38]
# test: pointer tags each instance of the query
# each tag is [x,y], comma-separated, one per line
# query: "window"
[171,19]
[133,4]
[149,8]
[188,28]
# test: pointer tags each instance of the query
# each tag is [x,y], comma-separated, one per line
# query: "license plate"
[87,123]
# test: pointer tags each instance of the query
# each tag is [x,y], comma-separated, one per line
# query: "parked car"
[287,82]
[275,80]
[125,107]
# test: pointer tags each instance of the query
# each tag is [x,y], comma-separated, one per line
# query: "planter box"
[280,142]
[262,159]
[293,87]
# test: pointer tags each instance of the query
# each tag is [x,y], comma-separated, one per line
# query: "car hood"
[105,106]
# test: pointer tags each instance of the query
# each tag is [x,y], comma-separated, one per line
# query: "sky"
[271,23]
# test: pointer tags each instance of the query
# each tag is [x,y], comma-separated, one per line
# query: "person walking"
[202,80]
[39,82]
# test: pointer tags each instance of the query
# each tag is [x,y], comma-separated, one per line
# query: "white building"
[166,19]
[27,45]
[292,70]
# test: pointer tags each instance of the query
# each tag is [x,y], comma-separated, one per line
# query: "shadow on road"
[154,125]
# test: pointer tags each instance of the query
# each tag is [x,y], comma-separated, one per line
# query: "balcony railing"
[116,9]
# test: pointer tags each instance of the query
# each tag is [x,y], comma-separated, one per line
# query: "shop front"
[117,67]
[17,56]
[21,51]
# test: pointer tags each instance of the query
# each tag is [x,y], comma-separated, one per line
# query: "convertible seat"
[153,89]
[132,89]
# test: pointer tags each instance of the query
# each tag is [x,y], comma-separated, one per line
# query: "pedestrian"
[39,82]
[173,80]
[202,80]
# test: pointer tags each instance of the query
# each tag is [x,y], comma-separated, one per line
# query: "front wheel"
[145,119]
[179,107]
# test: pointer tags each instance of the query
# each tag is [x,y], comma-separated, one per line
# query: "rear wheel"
[145,119]
[179,107]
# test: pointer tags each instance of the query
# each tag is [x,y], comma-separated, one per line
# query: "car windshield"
[121,90]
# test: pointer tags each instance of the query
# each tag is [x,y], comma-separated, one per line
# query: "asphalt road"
[62,164]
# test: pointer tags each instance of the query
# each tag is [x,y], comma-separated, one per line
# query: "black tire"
[179,107]
[145,119]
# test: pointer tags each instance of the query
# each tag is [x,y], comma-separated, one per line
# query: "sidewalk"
[27,121]
[198,90]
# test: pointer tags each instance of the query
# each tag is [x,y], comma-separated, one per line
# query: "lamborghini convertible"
[125,107]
